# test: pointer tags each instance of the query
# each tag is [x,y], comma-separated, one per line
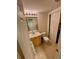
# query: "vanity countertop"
[34,34]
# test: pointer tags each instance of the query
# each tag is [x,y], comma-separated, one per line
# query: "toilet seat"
[46,39]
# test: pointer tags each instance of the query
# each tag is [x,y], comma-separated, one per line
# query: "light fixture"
[30,13]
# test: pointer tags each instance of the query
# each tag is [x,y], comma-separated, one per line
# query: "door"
[55,17]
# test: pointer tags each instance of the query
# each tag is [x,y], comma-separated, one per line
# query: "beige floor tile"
[46,51]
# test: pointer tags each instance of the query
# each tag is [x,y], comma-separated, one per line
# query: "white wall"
[42,21]
[23,39]
[18,56]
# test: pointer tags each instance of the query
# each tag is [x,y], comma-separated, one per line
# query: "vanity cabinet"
[36,41]
[35,37]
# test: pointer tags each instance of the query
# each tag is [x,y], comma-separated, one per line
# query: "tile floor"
[47,51]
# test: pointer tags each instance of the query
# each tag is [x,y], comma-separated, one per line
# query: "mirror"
[32,23]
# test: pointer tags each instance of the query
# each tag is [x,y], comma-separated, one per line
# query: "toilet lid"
[46,38]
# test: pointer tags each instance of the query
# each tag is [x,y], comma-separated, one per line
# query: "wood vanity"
[35,38]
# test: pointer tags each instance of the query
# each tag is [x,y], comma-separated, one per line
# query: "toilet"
[45,38]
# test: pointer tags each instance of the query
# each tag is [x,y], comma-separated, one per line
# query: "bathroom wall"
[18,56]
[42,21]
[23,39]
[22,33]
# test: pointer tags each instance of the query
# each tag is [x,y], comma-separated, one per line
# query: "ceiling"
[40,5]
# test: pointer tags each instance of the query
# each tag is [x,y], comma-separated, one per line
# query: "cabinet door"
[54,25]
[36,41]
